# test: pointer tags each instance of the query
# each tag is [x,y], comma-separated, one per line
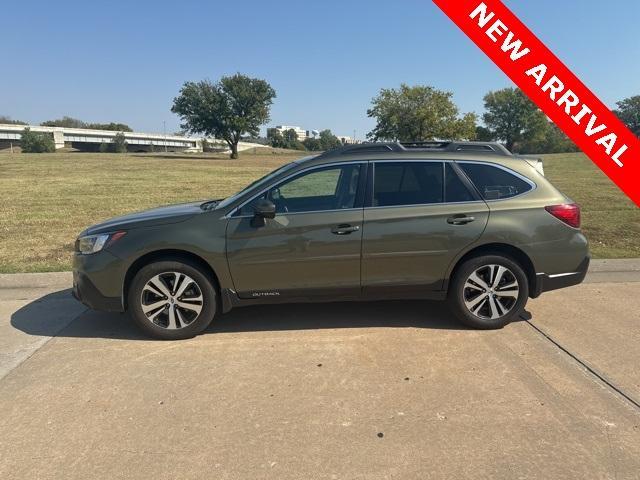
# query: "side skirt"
[231,299]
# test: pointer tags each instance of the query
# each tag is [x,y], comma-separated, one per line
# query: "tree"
[312,144]
[67,122]
[290,138]
[629,112]
[552,140]
[328,141]
[35,142]
[512,117]
[120,143]
[418,113]
[111,126]
[275,138]
[8,121]
[234,106]
[483,134]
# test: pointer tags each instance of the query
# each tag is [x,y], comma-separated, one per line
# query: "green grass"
[46,200]
[609,219]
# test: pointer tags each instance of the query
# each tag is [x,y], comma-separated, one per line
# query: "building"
[302,134]
[347,140]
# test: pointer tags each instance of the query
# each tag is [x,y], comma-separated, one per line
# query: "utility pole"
[164,130]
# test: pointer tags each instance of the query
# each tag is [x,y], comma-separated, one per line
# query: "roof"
[428,150]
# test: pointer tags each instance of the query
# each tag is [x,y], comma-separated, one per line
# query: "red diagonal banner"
[551,86]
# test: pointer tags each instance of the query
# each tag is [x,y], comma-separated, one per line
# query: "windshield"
[229,200]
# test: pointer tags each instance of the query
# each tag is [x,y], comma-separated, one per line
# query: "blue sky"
[125,61]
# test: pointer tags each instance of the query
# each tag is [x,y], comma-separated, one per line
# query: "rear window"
[407,183]
[494,183]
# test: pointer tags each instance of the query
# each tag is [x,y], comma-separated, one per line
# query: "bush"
[34,142]
[120,143]
[104,147]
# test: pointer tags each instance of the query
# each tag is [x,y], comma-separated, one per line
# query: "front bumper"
[546,283]
[98,281]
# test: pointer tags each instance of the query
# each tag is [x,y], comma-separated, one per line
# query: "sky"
[125,61]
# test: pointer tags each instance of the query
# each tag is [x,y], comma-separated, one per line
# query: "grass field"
[46,200]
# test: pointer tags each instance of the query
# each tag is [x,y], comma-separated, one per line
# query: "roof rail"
[489,148]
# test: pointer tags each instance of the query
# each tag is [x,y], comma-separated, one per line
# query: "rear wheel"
[488,291]
[172,300]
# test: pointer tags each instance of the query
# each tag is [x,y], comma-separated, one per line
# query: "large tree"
[629,112]
[512,117]
[234,106]
[419,113]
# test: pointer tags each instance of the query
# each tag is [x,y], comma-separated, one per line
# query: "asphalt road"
[340,391]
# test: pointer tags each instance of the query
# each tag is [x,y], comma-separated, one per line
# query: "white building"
[347,140]
[302,134]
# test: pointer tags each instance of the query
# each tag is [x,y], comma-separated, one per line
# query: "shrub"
[120,143]
[34,142]
[104,147]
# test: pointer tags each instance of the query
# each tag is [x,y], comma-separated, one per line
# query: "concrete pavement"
[362,390]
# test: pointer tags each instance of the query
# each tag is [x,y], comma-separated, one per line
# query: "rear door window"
[494,183]
[407,183]
[455,191]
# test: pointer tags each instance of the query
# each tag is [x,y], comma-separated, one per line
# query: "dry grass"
[46,200]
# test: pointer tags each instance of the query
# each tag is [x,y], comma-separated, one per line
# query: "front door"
[312,248]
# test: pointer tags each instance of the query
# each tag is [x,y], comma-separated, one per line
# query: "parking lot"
[360,390]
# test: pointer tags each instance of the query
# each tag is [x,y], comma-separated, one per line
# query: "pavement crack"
[591,370]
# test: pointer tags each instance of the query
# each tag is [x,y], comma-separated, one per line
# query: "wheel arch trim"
[168,254]
[515,253]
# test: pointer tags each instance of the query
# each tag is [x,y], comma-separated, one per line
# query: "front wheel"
[172,300]
[488,292]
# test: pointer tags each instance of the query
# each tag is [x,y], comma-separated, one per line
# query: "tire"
[482,293]
[172,300]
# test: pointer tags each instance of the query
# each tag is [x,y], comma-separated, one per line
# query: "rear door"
[418,217]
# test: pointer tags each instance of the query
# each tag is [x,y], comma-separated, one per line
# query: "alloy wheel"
[491,292]
[171,300]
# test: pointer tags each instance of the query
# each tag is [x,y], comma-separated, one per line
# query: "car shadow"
[42,317]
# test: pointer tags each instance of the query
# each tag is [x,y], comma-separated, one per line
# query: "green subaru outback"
[464,221]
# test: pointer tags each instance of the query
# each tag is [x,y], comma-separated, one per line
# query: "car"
[466,222]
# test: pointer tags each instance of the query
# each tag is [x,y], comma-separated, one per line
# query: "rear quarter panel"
[523,222]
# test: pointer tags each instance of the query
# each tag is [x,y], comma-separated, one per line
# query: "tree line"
[70,122]
[238,105]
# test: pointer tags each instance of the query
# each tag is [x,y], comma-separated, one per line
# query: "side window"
[407,183]
[330,188]
[493,183]
[454,189]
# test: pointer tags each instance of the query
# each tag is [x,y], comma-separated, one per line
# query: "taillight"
[568,213]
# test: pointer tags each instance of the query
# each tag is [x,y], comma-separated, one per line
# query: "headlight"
[95,243]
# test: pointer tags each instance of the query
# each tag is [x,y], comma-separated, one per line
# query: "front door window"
[322,189]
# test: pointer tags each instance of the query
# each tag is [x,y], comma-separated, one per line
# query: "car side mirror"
[262,210]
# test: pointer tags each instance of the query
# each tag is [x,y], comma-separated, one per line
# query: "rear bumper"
[546,283]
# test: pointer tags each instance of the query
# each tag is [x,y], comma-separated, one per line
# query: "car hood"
[147,218]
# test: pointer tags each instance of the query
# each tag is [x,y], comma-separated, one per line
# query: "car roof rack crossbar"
[489,148]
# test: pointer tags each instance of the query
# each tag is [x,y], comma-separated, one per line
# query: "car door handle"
[460,220]
[345,229]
